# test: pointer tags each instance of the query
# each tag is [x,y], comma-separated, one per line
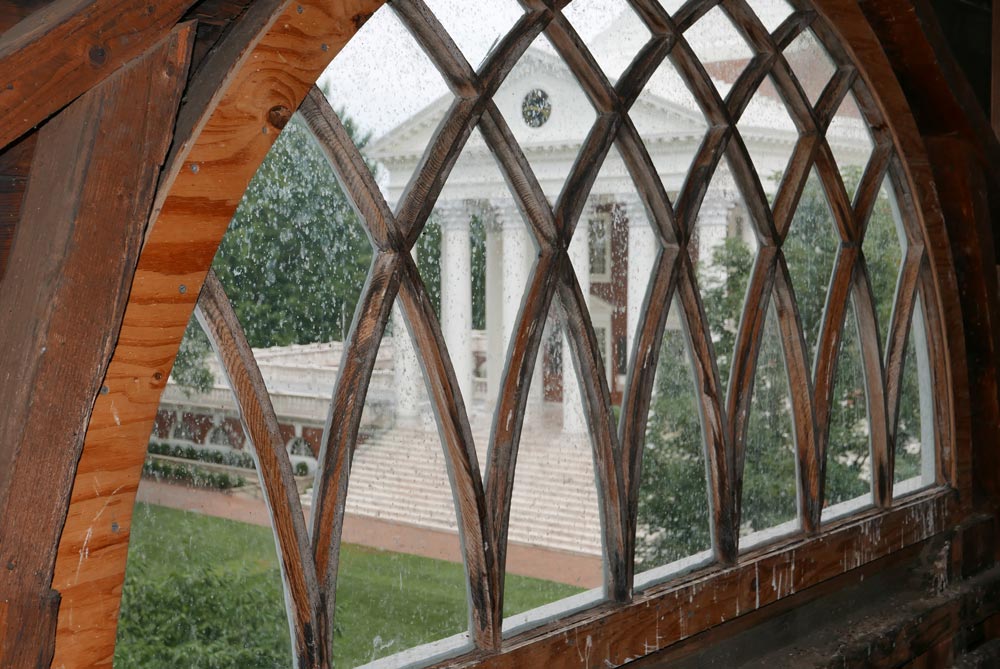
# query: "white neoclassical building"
[614,248]
[613,252]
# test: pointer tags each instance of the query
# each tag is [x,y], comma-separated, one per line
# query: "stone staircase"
[399,475]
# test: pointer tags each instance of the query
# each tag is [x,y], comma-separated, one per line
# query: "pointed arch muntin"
[165,282]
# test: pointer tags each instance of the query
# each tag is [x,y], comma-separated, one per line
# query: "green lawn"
[206,592]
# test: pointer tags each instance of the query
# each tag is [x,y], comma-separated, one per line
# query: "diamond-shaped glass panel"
[671,6]
[770,12]
[476,27]
[555,525]
[769,135]
[811,250]
[848,454]
[201,527]
[723,248]
[884,246]
[622,33]
[850,142]
[613,251]
[770,505]
[475,257]
[674,511]
[720,48]
[401,582]
[915,461]
[548,113]
[293,263]
[671,125]
[810,63]
[395,110]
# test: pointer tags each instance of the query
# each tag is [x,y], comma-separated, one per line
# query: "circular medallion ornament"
[536,108]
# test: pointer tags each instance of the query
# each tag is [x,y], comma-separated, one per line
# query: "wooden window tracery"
[309,558]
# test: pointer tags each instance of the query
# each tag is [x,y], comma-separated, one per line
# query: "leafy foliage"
[295,256]
[673,502]
[231,458]
[192,475]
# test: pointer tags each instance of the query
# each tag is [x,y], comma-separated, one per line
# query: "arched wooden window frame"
[238,101]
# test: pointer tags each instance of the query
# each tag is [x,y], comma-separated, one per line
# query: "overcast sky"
[382,76]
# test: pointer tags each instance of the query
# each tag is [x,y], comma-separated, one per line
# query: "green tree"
[295,256]
[673,506]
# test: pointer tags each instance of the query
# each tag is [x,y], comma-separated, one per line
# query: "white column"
[519,255]
[456,296]
[574,419]
[516,246]
[496,340]
[642,249]
[406,370]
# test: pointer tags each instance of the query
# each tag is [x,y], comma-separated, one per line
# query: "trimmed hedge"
[230,458]
[191,475]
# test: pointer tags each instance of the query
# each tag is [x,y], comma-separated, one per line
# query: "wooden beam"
[228,134]
[13,12]
[995,69]
[64,49]
[15,163]
[614,635]
[62,299]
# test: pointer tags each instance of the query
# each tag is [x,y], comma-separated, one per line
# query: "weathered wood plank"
[340,434]
[743,370]
[352,172]
[639,387]
[63,297]
[702,600]
[719,449]
[15,164]
[871,360]
[460,451]
[65,48]
[508,420]
[310,637]
[596,396]
[13,12]
[810,470]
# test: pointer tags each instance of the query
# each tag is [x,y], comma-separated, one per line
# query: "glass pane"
[555,523]
[613,252]
[672,5]
[395,110]
[915,453]
[401,581]
[295,256]
[810,251]
[883,247]
[203,585]
[723,248]
[548,113]
[848,459]
[671,124]
[621,32]
[719,47]
[811,64]
[850,142]
[770,505]
[476,257]
[770,12]
[476,27]
[674,509]
[769,135]
[293,263]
